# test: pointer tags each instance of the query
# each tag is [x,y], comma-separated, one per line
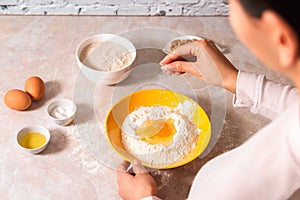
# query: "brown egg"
[17,99]
[35,87]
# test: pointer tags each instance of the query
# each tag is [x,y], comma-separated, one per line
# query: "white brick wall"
[115,7]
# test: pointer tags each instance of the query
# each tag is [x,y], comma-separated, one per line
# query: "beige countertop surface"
[79,163]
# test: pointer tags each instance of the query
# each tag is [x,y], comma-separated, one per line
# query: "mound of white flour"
[105,56]
[184,140]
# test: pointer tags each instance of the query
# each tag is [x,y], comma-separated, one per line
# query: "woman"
[267,166]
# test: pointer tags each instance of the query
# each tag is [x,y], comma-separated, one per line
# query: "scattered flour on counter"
[80,153]
[184,140]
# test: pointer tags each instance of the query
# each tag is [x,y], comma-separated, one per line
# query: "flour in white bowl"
[106,56]
[184,140]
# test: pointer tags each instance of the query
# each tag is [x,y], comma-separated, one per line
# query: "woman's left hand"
[135,186]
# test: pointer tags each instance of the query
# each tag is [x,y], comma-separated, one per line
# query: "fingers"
[169,59]
[174,63]
[138,168]
[122,174]
[123,166]
[135,187]
[179,67]
[189,49]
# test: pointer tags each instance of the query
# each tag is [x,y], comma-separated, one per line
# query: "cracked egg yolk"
[160,131]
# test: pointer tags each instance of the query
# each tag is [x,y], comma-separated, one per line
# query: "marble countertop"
[78,163]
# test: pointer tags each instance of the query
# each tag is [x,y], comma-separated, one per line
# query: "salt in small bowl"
[62,111]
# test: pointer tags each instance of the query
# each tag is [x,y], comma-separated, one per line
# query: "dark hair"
[288,9]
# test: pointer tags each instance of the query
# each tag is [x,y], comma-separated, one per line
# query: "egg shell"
[35,87]
[17,99]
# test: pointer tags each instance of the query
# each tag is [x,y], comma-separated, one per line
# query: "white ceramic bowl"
[29,129]
[106,77]
[61,111]
[167,48]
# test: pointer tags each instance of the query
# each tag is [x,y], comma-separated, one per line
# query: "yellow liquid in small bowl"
[33,140]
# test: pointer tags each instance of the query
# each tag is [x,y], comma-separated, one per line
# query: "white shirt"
[267,166]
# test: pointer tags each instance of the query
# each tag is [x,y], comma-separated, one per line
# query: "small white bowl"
[167,48]
[107,77]
[29,129]
[61,111]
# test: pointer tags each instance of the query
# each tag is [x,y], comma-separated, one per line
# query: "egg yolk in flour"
[160,131]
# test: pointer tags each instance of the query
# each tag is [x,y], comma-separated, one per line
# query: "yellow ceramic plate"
[151,97]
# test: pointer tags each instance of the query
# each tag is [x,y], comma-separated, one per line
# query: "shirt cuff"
[247,90]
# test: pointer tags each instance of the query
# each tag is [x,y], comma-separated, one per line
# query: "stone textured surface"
[79,163]
[117,7]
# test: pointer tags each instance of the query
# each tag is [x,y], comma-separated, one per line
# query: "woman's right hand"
[209,63]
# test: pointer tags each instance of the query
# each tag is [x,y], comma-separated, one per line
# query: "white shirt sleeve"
[263,96]
[266,167]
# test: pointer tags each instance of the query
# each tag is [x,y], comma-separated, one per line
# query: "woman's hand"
[135,187]
[208,63]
